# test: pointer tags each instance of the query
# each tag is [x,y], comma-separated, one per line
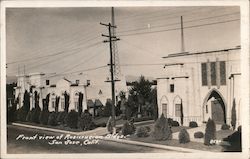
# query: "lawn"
[191,145]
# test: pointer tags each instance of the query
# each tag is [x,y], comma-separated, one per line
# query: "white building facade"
[205,83]
[38,82]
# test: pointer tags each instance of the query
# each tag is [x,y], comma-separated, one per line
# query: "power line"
[177,23]
[54,54]
[188,27]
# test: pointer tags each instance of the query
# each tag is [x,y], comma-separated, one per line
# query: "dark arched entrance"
[218,108]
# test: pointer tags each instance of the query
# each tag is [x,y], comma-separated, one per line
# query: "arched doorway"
[214,107]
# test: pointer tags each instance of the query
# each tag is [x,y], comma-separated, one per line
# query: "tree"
[141,92]
[66,98]
[210,132]
[181,113]
[80,99]
[107,111]
[162,130]
[57,103]
[233,115]
[26,101]
[36,99]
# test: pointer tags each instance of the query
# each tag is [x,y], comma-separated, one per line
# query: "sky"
[67,41]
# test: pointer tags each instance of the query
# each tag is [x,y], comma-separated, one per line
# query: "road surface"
[42,146]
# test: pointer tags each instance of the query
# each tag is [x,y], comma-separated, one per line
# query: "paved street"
[41,146]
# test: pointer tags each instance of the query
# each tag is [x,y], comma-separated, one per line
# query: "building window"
[62,103]
[206,108]
[213,73]
[204,74]
[47,82]
[177,110]
[53,103]
[164,109]
[171,88]
[222,72]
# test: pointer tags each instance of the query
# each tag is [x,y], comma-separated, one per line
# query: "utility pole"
[111,40]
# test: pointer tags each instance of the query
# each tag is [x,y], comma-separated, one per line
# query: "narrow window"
[171,88]
[177,110]
[204,74]
[213,73]
[222,73]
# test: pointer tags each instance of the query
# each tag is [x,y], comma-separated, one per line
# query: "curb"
[165,147]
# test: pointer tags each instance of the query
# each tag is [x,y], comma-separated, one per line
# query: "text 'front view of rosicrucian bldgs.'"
[123,80]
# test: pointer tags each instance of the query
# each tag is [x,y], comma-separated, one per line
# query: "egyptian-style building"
[206,84]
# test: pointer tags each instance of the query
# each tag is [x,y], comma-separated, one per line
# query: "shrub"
[60,117]
[72,119]
[43,117]
[210,132]
[86,121]
[175,123]
[35,114]
[101,125]
[11,113]
[148,128]
[198,134]
[52,119]
[128,128]
[225,127]
[233,115]
[162,131]
[107,111]
[170,121]
[193,124]
[110,125]
[184,136]
[21,114]
[142,131]
[234,141]
[28,117]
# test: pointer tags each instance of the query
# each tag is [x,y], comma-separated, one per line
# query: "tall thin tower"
[182,37]
[117,69]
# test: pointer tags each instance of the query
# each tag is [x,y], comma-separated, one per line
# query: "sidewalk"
[103,131]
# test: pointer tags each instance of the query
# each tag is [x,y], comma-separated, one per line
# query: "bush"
[60,117]
[162,131]
[193,124]
[101,125]
[107,111]
[11,113]
[143,119]
[43,117]
[175,123]
[184,136]
[234,141]
[110,125]
[142,131]
[170,121]
[210,132]
[225,127]
[72,119]
[21,114]
[52,119]
[86,121]
[128,128]
[35,114]
[233,115]
[28,117]
[198,134]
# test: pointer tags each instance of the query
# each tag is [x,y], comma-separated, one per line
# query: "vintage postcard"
[129,79]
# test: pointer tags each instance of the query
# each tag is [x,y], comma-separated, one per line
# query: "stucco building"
[40,83]
[205,83]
